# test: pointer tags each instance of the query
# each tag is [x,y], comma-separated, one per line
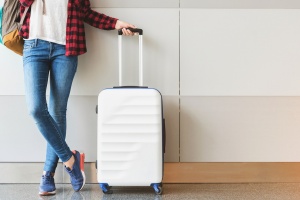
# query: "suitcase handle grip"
[134,30]
[124,87]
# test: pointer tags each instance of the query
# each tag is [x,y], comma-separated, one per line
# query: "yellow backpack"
[11,24]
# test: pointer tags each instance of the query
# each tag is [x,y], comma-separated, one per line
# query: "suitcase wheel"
[157,188]
[105,188]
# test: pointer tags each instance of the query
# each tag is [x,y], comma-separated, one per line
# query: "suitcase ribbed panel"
[129,137]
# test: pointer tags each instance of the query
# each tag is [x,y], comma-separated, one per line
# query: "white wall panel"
[240,4]
[135,3]
[239,129]
[11,72]
[240,52]
[98,68]
[22,142]
[171,114]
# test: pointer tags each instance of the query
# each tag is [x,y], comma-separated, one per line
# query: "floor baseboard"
[248,172]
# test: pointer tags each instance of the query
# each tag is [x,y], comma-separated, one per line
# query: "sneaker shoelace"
[47,179]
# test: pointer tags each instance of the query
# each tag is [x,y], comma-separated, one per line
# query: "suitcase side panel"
[130,137]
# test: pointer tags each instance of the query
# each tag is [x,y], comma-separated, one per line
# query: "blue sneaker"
[77,175]
[47,186]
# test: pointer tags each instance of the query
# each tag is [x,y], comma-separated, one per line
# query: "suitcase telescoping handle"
[120,33]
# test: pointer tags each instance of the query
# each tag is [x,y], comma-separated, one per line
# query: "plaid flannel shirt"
[79,11]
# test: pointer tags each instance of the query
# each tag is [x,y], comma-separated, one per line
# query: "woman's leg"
[62,72]
[37,64]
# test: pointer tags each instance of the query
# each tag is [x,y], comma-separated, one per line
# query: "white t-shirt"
[48,20]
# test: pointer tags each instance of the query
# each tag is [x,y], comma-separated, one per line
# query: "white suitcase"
[131,134]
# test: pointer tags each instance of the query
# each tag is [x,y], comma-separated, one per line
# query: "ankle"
[69,164]
[51,173]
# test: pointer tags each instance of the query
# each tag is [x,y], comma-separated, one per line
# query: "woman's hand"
[123,25]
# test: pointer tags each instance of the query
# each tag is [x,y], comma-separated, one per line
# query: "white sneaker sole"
[83,175]
[47,193]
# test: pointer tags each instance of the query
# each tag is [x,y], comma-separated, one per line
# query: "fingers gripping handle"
[134,30]
[120,33]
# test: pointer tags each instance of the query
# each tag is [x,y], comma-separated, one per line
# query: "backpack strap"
[24,15]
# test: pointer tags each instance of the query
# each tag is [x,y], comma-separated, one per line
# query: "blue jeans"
[42,59]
